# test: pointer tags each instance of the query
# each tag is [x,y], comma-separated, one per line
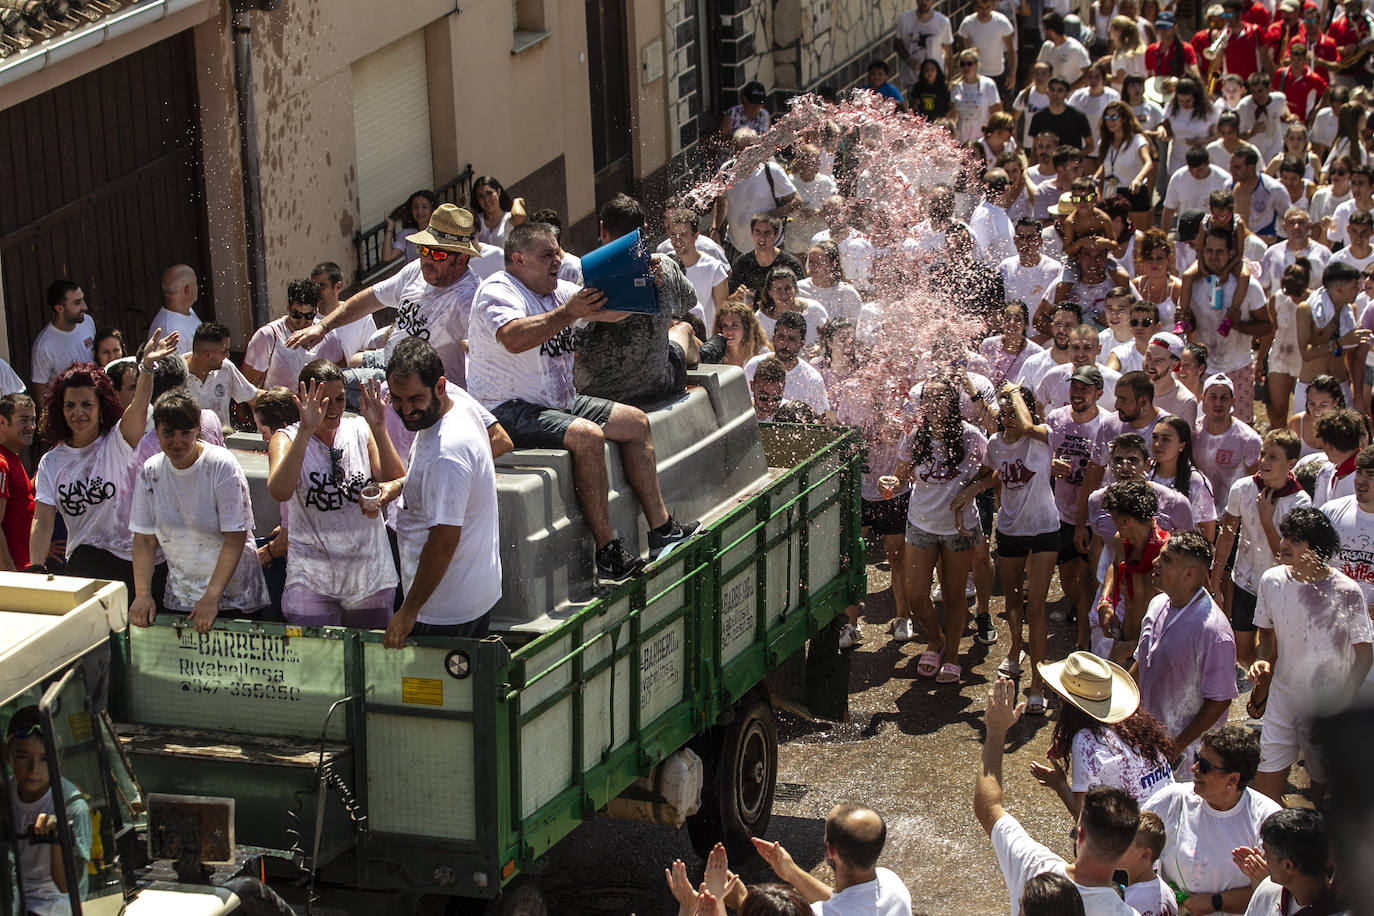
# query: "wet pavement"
[909,748]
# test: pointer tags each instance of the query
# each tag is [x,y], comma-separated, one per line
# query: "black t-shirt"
[1071,125]
[930,100]
[747,272]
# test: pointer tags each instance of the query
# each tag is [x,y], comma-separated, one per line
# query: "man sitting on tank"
[520,367]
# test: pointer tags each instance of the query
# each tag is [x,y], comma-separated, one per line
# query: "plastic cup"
[887,485]
[370,498]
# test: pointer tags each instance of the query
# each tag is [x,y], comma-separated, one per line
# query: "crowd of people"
[1168,243]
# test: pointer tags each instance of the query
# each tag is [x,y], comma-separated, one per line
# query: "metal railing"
[368,243]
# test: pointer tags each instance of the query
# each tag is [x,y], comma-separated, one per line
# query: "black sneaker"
[616,564]
[984,631]
[677,532]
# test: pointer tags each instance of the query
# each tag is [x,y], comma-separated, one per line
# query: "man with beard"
[803,382]
[1162,357]
[446,522]
[432,295]
[1135,413]
[1067,317]
[521,339]
[1055,385]
[1093,281]
[271,360]
[1073,430]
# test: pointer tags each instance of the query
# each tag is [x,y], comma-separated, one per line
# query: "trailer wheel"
[741,775]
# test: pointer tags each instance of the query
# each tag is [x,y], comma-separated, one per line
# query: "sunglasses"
[300,316]
[1204,766]
[434,254]
[1111,117]
[1082,198]
[336,464]
[1339,173]
[967,63]
[1368,276]
[1141,322]
[768,398]
[26,731]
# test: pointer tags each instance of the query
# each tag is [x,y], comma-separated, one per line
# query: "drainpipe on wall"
[248,152]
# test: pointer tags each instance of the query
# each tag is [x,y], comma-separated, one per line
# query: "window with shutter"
[391,126]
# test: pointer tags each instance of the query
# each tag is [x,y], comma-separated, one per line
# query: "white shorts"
[1281,739]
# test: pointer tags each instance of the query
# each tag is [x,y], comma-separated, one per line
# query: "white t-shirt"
[935,482]
[816,316]
[1356,528]
[1226,457]
[1072,442]
[804,383]
[267,351]
[169,321]
[493,236]
[1188,193]
[799,229]
[1279,257]
[221,385]
[1101,758]
[540,375]
[1226,353]
[1267,900]
[856,254]
[1023,467]
[1123,162]
[336,551]
[1027,103]
[1092,107]
[90,486]
[704,275]
[705,244]
[569,268]
[1129,356]
[1316,628]
[1339,218]
[189,511]
[1253,556]
[971,103]
[839,301]
[1269,138]
[1199,839]
[992,231]
[489,261]
[1152,897]
[54,351]
[452,481]
[1329,486]
[355,335]
[990,40]
[751,194]
[438,314]
[1068,61]
[1022,858]
[885,895]
[922,40]
[1037,365]
[41,896]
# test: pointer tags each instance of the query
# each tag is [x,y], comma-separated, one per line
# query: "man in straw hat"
[1185,660]
[1107,824]
[432,295]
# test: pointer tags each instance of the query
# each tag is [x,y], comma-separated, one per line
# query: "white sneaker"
[849,636]
[901,631]
[936,595]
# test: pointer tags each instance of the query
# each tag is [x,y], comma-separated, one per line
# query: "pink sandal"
[949,674]
[928,664]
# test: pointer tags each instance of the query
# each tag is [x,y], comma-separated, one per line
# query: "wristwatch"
[1217,903]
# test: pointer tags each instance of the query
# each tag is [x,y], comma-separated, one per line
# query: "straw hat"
[1100,688]
[1064,206]
[451,228]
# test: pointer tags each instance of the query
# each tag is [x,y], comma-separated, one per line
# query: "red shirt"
[1242,52]
[1280,35]
[1324,49]
[1162,64]
[1201,42]
[1302,92]
[17,489]
[1257,16]
[1344,33]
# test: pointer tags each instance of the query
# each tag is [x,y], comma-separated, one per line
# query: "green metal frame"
[823,471]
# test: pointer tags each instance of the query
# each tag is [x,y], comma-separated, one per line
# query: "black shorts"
[1242,610]
[1017,546]
[886,516]
[532,426]
[1068,552]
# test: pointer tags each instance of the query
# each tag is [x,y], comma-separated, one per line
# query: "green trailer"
[452,766]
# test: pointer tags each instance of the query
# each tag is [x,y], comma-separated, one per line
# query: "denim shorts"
[919,537]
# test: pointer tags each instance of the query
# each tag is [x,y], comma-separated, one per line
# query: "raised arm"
[135,420]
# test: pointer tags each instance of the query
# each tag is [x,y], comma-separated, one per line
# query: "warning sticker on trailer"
[422,691]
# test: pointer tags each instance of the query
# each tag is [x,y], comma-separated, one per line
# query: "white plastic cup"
[887,485]
[370,499]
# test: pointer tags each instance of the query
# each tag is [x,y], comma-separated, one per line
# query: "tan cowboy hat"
[451,228]
[1100,688]
[1064,206]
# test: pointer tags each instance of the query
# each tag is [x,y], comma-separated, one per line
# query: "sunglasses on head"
[301,316]
[434,254]
[20,732]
